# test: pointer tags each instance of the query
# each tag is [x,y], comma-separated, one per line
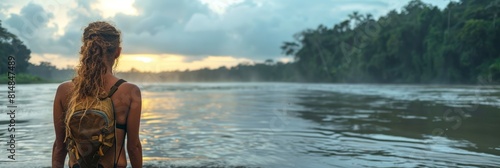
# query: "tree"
[269,62]
[356,17]
[10,45]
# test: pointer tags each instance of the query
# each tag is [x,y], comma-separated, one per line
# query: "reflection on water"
[291,125]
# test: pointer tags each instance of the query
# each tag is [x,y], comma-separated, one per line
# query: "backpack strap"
[115,87]
[111,92]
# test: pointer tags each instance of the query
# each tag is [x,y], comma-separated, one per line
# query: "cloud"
[3,9]
[247,29]
[31,25]
[157,16]
[252,29]
[31,18]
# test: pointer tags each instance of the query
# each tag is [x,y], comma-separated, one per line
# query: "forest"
[419,44]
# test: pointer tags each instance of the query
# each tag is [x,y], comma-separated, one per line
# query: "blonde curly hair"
[100,43]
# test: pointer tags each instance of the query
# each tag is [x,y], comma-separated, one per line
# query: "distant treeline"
[266,71]
[244,72]
[49,72]
[419,44]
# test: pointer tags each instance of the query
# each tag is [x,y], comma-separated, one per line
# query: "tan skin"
[127,103]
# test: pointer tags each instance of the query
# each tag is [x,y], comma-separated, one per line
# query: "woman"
[99,52]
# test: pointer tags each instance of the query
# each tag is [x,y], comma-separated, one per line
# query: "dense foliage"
[419,44]
[11,45]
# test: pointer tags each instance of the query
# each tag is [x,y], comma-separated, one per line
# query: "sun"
[144,59]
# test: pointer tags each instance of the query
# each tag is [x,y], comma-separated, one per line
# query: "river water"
[287,125]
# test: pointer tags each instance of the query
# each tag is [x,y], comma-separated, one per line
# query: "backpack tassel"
[100,151]
[74,150]
[102,141]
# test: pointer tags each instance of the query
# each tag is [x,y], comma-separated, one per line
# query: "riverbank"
[24,79]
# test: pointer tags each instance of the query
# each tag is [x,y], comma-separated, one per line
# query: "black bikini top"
[121,126]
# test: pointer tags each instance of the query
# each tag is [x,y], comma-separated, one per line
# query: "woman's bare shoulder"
[64,87]
[130,86]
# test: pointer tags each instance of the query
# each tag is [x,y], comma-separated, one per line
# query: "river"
[287,125]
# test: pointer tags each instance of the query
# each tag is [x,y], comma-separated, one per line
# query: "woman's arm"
[59,149]
[134,146]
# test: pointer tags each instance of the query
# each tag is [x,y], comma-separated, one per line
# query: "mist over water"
[289,125]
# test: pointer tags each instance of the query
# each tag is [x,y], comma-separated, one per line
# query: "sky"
[165,35]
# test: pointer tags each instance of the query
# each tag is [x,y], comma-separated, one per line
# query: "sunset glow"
[144,59]
[171,62]
[149,62]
